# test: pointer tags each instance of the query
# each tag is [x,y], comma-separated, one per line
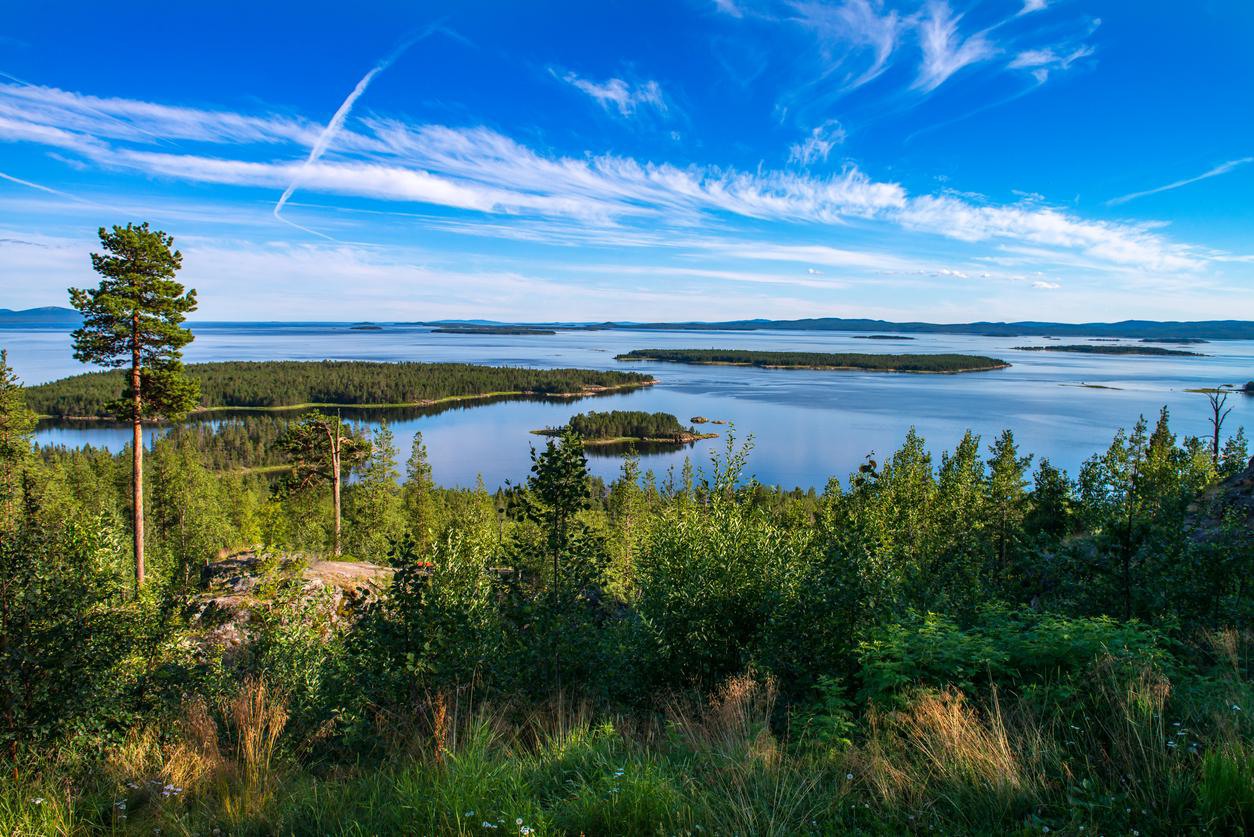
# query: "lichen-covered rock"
[239,589]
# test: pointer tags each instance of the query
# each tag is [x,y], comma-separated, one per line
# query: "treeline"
[330,382]
[821,360]
[1090,349]
[624,424]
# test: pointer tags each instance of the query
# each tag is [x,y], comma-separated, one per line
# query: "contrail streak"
[1222,168]
[337,122]
[50,190]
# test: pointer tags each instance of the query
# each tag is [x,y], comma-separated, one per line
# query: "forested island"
[882,337]
[285,385]
[627,426]
[939,364]
[1088,349]
[491,329]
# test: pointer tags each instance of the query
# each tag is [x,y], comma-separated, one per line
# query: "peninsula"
[935,364]
[292,385]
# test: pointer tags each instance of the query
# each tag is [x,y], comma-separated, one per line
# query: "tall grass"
[945,762]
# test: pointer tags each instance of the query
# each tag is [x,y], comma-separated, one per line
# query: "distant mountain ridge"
[1165,331]
[50,315]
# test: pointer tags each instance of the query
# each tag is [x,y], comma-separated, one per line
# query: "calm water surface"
[806,425]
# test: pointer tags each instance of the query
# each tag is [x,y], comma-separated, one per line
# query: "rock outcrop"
[239,589]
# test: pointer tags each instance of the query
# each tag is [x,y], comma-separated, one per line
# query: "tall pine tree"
[134,319]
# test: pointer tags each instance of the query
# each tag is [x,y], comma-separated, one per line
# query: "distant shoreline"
[55,317]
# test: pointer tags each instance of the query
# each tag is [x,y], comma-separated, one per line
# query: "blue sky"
[939,160]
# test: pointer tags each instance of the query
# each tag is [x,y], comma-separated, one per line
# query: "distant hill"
[1139,329]
[50,316]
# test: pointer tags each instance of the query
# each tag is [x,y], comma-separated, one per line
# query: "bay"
[806,425]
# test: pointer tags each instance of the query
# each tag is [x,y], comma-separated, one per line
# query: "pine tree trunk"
[335,484]
[137,454]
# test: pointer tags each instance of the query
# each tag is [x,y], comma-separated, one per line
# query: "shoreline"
[428,402]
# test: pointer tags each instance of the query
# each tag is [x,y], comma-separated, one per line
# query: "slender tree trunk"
[335,481]
[137,453]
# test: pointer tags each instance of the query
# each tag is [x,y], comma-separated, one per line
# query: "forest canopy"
[821,360]
[278,384]
[621,425]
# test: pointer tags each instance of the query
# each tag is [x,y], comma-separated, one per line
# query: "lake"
[806,425]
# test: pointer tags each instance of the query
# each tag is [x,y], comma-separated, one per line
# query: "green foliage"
[289,383]
[134,319]
[65,634]
[821,360]
[17,424]
[1041,655]
[625,424]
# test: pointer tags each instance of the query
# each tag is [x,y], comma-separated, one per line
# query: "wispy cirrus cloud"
[1041,62]
[617,94]
[945,50]
[482,171]
[818,144]
[853,29]
[1221,169]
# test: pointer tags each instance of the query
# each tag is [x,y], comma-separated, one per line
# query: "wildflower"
[849,777]
[39,800]
[487,824]
[1236,708]
[518,821]
[470,813]
[1044,829]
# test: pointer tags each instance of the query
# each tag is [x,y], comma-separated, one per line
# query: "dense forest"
[625,424]
[1089,349]
[269,384]
[975,643]
[821,360]
[491,329]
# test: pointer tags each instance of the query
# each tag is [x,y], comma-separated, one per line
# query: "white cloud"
[619,94]
[1046,286]
[1030,6]
[1040,62]
[853,26]
[945,51]
[482,171]
[1222,168]
[818,144]
[729,7]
